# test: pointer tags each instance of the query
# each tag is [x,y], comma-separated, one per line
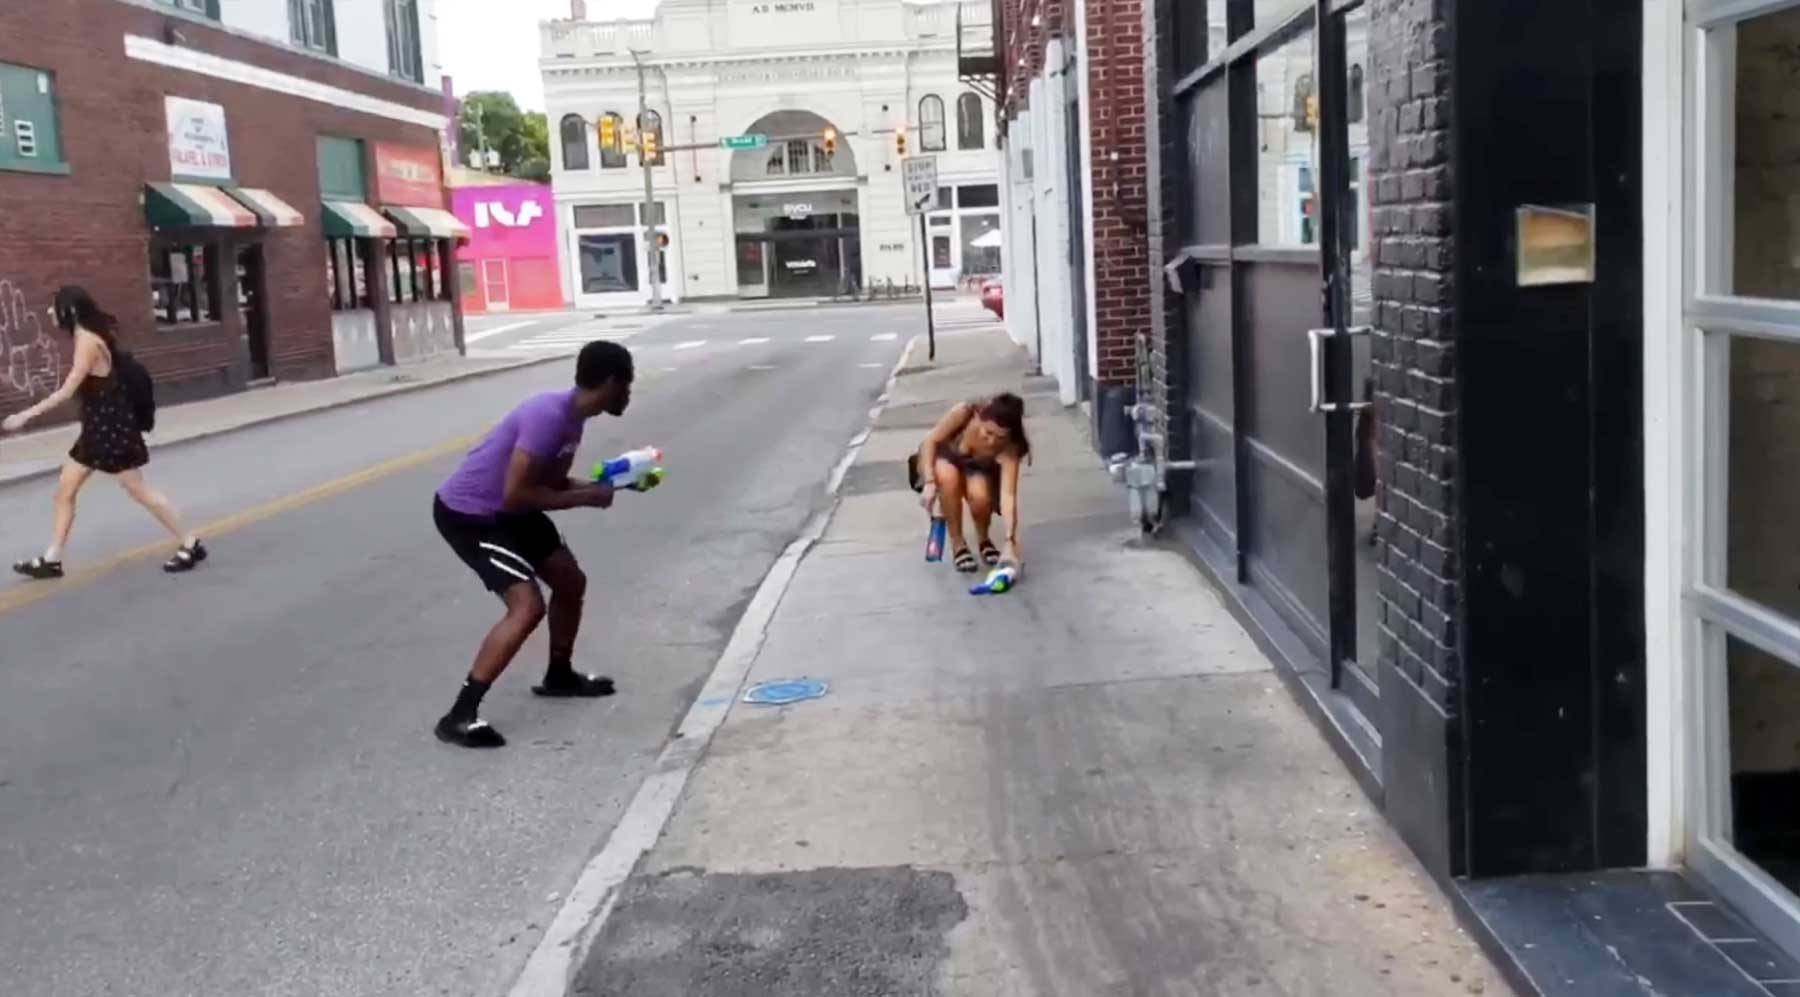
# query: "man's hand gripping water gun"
[639,470]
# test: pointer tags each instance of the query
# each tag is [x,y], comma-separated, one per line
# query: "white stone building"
[790,218]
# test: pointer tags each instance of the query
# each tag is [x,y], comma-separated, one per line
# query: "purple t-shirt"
[544,426]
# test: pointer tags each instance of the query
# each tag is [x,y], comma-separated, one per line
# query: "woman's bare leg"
[156,502]
[68,485]
[980,496]
[950,501]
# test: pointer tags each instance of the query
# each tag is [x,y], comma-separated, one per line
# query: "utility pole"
[652,253]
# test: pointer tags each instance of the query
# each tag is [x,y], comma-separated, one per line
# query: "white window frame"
[1689,324]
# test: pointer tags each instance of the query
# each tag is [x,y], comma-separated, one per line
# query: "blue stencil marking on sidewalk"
[780,692]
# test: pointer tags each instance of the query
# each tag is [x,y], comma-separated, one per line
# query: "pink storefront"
[510,262]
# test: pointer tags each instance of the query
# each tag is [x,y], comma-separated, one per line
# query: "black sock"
[468,699]
[561,667]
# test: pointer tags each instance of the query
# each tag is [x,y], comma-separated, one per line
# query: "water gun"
[999,580]
[639,470]
[934,540]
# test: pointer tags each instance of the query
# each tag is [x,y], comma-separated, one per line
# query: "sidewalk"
[1094,785]
[40,453]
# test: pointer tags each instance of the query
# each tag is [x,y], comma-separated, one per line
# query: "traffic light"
[900,141]
[609,132]
[628,138]
[649,145]
[831,141]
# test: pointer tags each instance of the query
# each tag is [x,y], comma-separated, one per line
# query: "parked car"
[993,297]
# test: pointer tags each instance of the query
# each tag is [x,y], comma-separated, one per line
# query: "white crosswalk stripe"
[820,339]
[691,344]
[753,341]
[884,337]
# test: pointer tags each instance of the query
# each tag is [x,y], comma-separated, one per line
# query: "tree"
[491,120]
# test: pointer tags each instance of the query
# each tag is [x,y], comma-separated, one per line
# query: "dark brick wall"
[1414,343]
[88,227]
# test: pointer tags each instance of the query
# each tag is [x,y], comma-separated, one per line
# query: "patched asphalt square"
[820,933]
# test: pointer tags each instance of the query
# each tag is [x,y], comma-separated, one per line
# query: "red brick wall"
[88,227]
[1119,248]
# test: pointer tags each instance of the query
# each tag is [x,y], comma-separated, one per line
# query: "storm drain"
[822,933]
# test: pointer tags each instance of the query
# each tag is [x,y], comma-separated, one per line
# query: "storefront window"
[414,271]
[608,263]
[981,195]
[980,244]
[1287,126]
[346,270]
[184,283]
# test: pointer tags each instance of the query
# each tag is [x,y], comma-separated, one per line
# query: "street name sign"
[744,142]
[920,177]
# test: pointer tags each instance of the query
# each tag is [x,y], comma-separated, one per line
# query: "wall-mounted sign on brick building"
[198,144]
[408,175]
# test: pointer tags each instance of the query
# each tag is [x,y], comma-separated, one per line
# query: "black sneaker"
[37,567]
[573,684]
[186,558]
[476,733]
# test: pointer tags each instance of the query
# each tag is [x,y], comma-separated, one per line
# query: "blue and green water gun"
[638,470]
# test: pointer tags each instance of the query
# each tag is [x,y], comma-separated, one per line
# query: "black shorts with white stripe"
[504,550]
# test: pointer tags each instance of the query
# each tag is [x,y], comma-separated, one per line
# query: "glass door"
[1742,324]
[1344,378]
[493,280]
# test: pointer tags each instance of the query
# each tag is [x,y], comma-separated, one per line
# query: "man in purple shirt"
[491,512]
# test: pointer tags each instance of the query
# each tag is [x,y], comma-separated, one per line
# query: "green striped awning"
[355,220]
[428,223]
[185,205]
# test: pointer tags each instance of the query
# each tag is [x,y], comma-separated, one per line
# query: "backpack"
[139,388]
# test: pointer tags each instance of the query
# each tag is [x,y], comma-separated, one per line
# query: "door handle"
[1315,345]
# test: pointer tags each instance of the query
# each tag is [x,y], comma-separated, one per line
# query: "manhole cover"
[780,692]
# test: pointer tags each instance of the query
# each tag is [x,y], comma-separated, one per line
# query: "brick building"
[1079,284]
[1478,324]
[253,191]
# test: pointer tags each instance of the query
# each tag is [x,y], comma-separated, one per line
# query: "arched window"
[1355,113]
[650,123]
[777,164]
[612,154]
[968,122]
[821,159]
[574,142]
[931,123]
[1303,103]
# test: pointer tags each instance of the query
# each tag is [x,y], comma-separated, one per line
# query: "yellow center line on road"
[20,596]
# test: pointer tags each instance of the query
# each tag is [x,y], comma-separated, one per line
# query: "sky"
[493,44]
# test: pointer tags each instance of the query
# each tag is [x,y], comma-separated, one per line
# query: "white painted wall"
[361,31]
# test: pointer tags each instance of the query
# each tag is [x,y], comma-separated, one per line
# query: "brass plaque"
[1555,244]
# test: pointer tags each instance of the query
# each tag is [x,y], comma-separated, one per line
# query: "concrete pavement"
[1094,785]
[225,783]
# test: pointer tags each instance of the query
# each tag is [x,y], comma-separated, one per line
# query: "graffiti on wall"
[31,355]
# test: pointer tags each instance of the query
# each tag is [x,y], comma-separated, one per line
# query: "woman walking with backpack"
[113,421]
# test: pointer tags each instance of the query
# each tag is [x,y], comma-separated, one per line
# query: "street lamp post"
[651,250]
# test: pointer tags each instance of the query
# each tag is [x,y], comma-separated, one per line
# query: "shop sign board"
[198,145]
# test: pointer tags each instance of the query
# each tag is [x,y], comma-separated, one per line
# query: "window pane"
[1270,12]
[969,130]
[1287,104]
[1765,243]
[981,195]
[1357,218]
[984,258]
[1762,527]
[1199,33]
[1763,696]
[750,263]
[574,142]
[608,263]
[605,216]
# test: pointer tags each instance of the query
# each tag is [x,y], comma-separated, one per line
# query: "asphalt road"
[225,783]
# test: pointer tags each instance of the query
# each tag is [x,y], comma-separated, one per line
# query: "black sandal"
[990,554]
[965,561]
[573,685]
[37,567]
[186,557]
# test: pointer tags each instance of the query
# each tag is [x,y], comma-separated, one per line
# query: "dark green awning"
[355,220]
[428,223]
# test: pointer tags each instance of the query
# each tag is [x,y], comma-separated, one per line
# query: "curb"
[24,477]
